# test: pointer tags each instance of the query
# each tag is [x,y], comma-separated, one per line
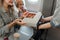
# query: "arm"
[10,25]
[46,19]
[45,26]
[5,28]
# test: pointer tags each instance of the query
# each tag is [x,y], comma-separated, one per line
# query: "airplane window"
[33,1]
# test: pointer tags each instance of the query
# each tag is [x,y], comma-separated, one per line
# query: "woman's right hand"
[19,22]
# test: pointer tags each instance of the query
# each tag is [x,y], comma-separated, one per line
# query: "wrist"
[13,22]
[11,25]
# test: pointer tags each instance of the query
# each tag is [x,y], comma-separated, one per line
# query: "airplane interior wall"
[34,6]
[47,7]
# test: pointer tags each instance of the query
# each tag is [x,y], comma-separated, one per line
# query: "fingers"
[20,22]
[18,19]
[25,14]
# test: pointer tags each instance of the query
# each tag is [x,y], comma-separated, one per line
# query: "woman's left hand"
[25,14]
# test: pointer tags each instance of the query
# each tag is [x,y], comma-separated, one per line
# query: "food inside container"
[30,15]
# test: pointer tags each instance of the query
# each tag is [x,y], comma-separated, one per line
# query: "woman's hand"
[25,14]
[43,20]
[19,22]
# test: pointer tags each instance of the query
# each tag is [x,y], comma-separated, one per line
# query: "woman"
[7,19]
[20,6]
